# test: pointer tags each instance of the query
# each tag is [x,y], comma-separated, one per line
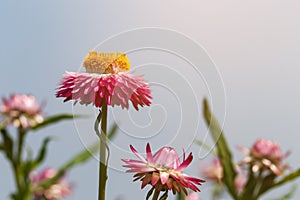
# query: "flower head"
[163,170]
[265,155]
[192,196]
[105,82]
[213,171]
[21,110]
[56,191]
[240,179]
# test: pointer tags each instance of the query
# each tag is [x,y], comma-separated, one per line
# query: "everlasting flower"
[56,191]
[162,170]
[240,179]
[265,154]
[105,81]
[192,196]
[21,110]
[214,172]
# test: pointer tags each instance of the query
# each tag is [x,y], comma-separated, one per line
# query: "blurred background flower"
[21,110]
[56,191]
[265,155]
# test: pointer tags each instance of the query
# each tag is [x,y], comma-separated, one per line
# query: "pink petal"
[137,154]
[164,176]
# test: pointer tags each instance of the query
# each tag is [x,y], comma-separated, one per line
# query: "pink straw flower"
[105,81]
[265,154]
[240,179]
[163,170]
[21,110]
[56,191]
[213,171]
[192,196]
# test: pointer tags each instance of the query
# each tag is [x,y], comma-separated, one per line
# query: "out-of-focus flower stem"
[102,161]
[16,163]
[20,144]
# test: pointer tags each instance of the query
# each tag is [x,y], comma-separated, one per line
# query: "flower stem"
[20,145]
[102,161]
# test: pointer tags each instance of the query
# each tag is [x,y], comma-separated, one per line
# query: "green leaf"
[267,182]
[206,146]
[7,144]
[42,152]
[252,183]
[181,195]
[288,178]
[1,127]
[80,158]
[112,132]
[217,191]
[53,119]
[223,150]
[288,195]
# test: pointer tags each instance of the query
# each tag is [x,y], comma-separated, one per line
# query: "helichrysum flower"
[105,81]
[162,170]
[192,196]
[57,191]
[214,172]
[21,110]
[265,155]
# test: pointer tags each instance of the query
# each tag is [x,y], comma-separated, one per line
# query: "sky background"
[253,47]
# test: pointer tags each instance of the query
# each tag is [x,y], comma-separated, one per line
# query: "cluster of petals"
[105,81]
[112,89]
[214,172]
[192,196]
[56,191]
[163,170]
[265,154]
[21,110]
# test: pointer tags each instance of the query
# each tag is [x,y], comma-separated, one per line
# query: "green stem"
[20,145]
[102,161]
[16,162]
[17,177]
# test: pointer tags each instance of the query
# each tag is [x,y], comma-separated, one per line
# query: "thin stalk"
[16,176]
[102,161]
[17,168]
[20,145]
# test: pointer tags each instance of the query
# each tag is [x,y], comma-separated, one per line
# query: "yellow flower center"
[106,63]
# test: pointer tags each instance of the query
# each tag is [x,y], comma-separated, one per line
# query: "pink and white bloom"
[105,82]
[265,154]
[192,196]
[163,170]
[213,171]
[56,191]
[241,179]
[21,110]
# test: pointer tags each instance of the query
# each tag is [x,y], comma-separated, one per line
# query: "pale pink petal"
[164,176]
[137,154]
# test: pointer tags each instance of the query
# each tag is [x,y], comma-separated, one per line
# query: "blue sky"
[253,44]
